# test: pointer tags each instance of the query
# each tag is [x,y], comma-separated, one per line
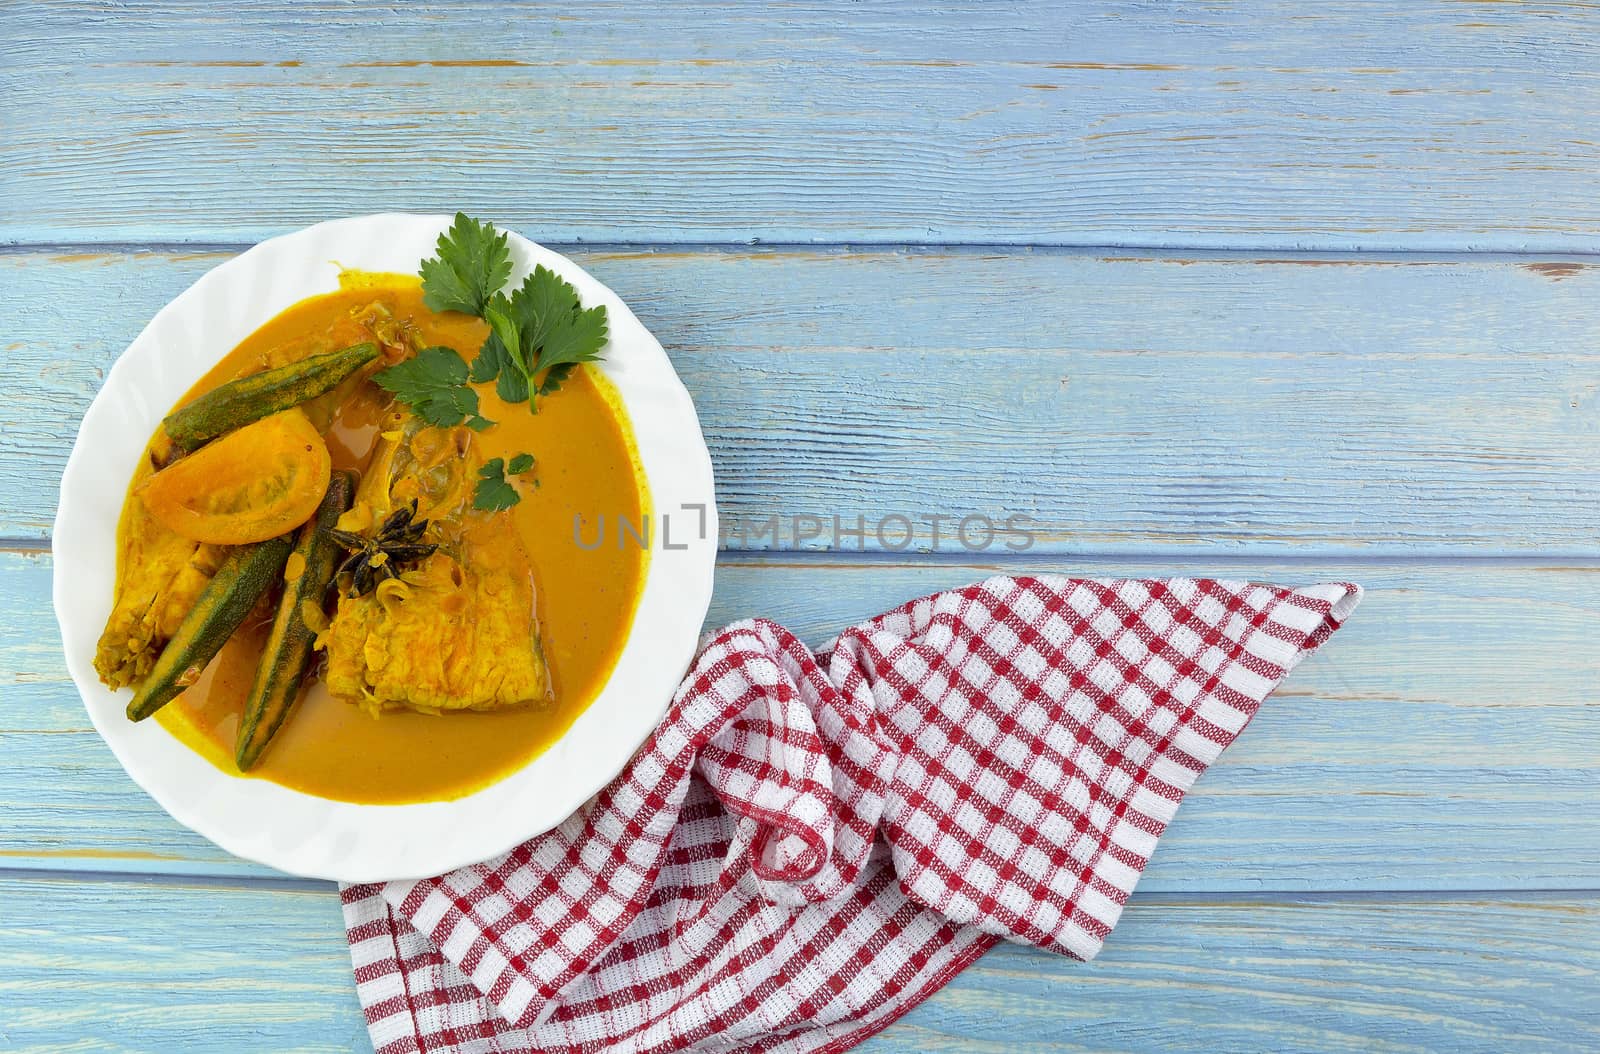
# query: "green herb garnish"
[433,383]
[541,328]
[473,263]
[494,492]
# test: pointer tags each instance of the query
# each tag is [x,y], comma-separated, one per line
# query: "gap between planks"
[1239,897]
[1111,252]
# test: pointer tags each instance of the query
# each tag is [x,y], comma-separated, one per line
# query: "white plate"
[300,833]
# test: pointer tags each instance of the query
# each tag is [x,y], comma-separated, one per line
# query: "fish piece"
[160,574]
[458,631]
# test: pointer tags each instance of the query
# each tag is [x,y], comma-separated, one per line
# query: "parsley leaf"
[434,384]
[493,493]
[504,328]
[500,358]
[554,324]
[473,263]
[555,377]
[541,327]
[576,337]
[540,302]
[512,384]
[491,359]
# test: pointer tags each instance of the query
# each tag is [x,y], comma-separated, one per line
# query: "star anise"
[396,544]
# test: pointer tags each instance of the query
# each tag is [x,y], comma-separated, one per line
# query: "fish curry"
[348,562]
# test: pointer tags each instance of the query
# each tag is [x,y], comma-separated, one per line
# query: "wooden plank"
[137,966]
[90,965]
[1182,404]
[1324,975]
[1443,741]
[1431,126]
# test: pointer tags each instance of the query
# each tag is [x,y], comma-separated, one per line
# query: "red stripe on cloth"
[814,842]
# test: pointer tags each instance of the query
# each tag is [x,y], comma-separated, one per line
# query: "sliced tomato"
[252,484]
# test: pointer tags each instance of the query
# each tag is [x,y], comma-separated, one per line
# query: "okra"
[249,399]
[288,652]
[244,576]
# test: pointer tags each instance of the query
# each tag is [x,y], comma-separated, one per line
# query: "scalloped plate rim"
[265,822]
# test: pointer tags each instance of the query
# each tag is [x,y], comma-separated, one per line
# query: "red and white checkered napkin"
[813,843]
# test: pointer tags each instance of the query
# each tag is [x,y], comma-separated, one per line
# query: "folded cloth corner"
[813,842]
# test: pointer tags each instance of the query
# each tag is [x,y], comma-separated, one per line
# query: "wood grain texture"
[130,966]
[1456,126]
[119,965]
[1443,742]
[1419,421]
[1125,405]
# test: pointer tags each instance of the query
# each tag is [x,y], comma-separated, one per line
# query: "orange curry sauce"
[586,466]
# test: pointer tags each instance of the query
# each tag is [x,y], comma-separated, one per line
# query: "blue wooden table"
[1280,290]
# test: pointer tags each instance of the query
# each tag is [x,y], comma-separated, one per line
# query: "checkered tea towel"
[814,842]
